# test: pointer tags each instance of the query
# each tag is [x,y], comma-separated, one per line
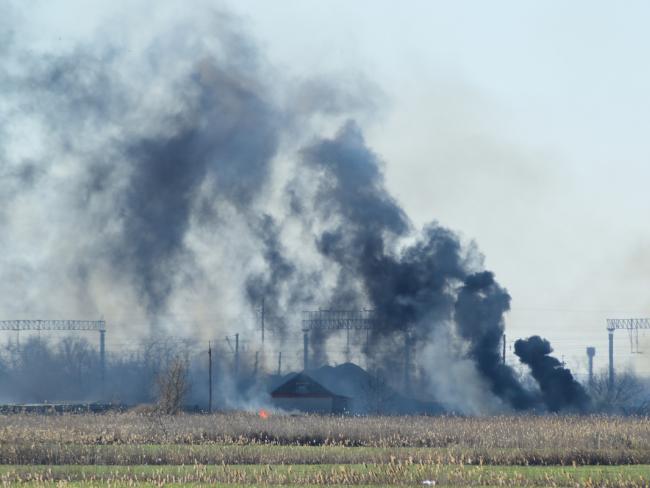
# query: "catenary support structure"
[632,326]
[65,325]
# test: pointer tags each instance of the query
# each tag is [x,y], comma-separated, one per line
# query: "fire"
[263,414]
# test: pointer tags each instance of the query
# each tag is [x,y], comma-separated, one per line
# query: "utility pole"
[305,341]
[209,377]
[347,344]
[611,357]
[279,363]
[236,355]
[262,321]
[503,352]
[102,360]
[407,362]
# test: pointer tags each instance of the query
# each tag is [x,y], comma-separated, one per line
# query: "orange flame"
[263,414]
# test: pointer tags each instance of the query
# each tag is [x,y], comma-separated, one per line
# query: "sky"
[522,125]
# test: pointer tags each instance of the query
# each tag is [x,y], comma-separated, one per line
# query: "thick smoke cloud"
[196,188]
[480,307]
[404,285]
[150,148]
[157,206]
[417,288]
[559,389]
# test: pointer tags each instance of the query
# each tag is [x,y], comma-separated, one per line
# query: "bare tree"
[78,363]
[626,394]
[173,386]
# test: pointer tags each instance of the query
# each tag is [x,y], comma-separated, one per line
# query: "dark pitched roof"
[302,386]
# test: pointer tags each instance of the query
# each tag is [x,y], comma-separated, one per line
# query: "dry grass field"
[244,449]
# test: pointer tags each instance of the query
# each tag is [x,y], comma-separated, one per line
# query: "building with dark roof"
[303,393]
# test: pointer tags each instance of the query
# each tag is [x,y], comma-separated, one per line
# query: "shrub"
[173,386]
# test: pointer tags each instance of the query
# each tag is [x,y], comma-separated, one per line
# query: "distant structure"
[591,352]
[305,394]
[335,320]
[632,326]
[51,408]
[65,325]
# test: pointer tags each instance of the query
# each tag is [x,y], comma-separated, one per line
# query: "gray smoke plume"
[141,177]
[176,188]
[560,391]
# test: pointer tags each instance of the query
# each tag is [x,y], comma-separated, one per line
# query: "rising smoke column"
[559,389]
[417,288]
[479,308]
[232,131]
[281,286]
[365,223]
[360,214]
[147,160]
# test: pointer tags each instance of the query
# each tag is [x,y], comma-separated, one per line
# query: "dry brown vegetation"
[149,448]
[241,438]
[503,432]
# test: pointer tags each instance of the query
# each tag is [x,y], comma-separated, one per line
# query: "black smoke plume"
[415,289]
[189,179]
[560,391]
[479,308]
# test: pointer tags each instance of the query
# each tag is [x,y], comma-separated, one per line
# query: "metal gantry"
[18,325]
[65,325]
[632,326]
[339,319]
[328,320]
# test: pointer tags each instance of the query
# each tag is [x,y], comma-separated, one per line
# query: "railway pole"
[236,356]
[102,361]
[209,377]
[611,357]
[305,341]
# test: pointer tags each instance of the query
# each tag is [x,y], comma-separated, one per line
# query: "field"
[243,449]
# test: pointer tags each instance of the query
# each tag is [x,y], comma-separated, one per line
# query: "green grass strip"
[324,474]
[177,454]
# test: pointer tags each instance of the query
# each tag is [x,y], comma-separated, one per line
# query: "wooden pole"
[262,320]
[209,377]
[305,358]
[236,356]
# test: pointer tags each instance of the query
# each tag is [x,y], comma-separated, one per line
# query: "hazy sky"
[522,125]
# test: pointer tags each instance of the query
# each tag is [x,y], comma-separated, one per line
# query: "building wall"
[315,405]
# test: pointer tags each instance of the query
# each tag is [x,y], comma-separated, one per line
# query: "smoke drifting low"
[175,188]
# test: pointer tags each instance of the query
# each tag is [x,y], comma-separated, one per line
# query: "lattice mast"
[65,325]
[632,326]
[336,320]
